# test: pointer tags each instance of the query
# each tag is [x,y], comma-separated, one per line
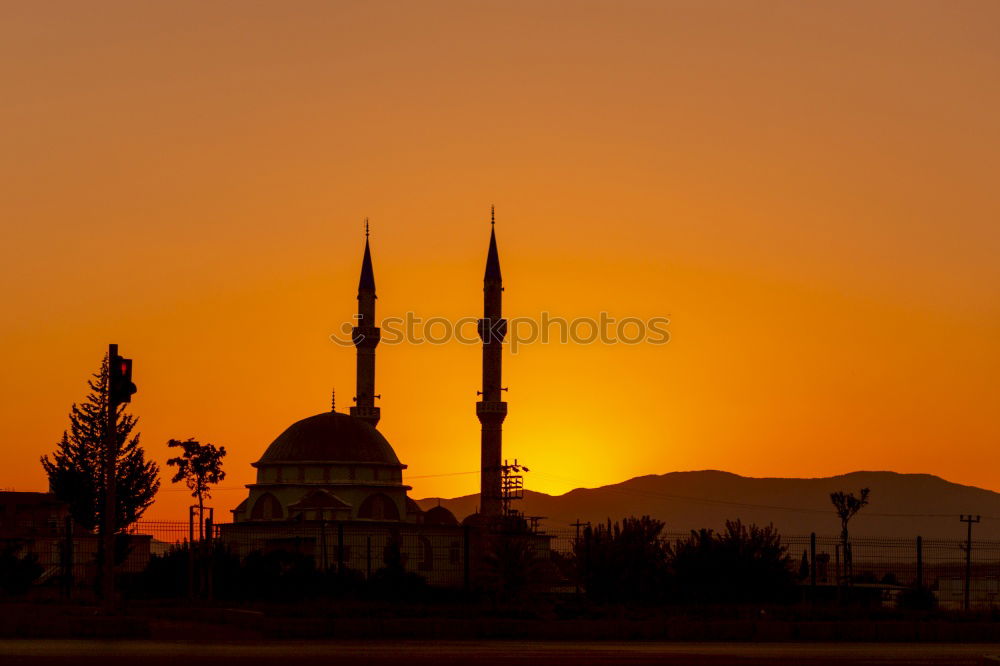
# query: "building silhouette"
[338,469]
[491,410]
[337,466]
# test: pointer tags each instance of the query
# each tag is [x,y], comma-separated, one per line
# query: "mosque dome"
[439,515]
[330,437]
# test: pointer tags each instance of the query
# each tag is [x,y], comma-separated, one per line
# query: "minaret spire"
[491,410]
[493,256]
[367,281]
[366,337]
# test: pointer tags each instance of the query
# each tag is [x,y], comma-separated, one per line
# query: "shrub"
[623,562]
[17,572]
[917,598]
[740,565]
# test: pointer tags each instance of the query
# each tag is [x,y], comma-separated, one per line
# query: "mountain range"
[900,505]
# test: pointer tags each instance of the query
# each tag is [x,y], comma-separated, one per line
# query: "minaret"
[491,410]
[366,336]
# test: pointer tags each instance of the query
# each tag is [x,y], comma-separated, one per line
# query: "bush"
[278,575]
[740,565]
[623,562]
[17,573]
[393,581]
[512,571]
[167,575]
[917,598]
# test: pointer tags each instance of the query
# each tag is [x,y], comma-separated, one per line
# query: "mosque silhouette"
[331,485]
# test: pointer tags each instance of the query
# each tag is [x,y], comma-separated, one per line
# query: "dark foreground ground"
[480,653]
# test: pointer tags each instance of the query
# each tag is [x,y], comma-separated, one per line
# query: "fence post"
[207,550]
[324,557]
[340,548]
[840,581]
[465,558]
[812,566]
[68,557]
[191,555]
[920,562]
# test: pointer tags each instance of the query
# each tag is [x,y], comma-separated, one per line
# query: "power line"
[659,495]
[408,477]
[431,476]
[186,490]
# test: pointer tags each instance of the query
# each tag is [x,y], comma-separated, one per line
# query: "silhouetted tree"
[393,581]
[741,564]
[511,569]
[280,575]
[75,469]
[804,566]
[847,506]
[199,467]
[624,561]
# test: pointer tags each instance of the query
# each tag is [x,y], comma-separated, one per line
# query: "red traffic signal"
[121,388]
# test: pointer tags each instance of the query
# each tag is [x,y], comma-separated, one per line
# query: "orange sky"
[807,190]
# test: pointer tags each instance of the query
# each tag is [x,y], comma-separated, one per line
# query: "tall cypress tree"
[75,469]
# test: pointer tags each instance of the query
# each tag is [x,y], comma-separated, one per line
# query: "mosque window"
[378,507]
[267,507]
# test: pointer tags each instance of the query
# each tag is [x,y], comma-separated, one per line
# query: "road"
[480,653]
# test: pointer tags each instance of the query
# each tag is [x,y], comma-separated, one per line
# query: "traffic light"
[121,388]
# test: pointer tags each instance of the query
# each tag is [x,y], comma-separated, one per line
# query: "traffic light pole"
[110,483]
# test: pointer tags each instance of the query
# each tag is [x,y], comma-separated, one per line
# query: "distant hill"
[690,500]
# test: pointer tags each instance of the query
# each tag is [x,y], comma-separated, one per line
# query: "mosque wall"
[435,552]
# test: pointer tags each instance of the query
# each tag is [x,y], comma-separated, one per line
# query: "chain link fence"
[440,554]
[890,563]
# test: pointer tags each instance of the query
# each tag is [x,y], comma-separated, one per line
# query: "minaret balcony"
[366,413]
[491,408]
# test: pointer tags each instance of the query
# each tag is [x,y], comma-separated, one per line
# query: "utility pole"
[511,486]
[968,520]
[812,567]
[110,478]
[920,562]
[576,548]
[120,389]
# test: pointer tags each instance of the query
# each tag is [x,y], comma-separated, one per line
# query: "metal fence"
[887,562]
[438,553]
[441,553]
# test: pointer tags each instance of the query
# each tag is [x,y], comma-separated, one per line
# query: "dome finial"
[333,400]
